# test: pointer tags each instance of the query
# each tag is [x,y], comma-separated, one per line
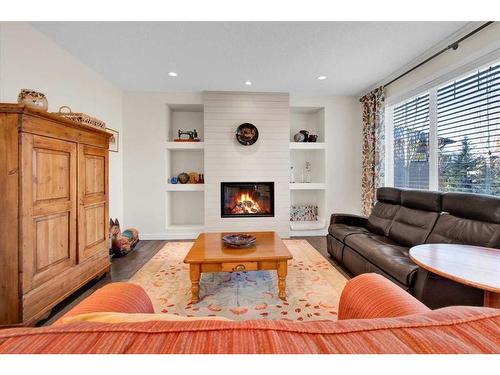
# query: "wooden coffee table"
[209,254]
[474,266]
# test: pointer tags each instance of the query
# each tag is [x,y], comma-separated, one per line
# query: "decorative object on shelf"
[174,180]
[308,169]
[183,178]
[304,213]
[292,175]
[121,243]
[194,178]
[312,138]
[201,178]
[81,118]
[33,99]
[247,134]
[299,137]
[113,140]
[306,134]
[192,136]
[239,240]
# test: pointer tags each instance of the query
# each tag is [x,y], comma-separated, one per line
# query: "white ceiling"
[275,56]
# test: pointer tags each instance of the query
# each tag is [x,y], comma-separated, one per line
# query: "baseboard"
[308,233]
[169,236]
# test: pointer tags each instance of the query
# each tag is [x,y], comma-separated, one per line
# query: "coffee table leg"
[282,271]
[491,299]
[194,275]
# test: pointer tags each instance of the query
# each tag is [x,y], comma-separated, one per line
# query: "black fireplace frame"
[232,184]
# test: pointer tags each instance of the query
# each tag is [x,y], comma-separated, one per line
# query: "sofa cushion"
[456,329]
[386,254]
[453,229]
[421,200]
[381,217]
[473,206]
[411,226]
[389,195]
[341,231]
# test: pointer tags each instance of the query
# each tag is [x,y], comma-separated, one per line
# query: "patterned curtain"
[373,147]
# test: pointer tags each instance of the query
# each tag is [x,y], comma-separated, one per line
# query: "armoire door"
[49,209]
[93,203]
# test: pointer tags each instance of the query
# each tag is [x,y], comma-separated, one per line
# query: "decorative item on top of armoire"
[124,242]
[113,140]
[58,206]
[192,136]
[247,134]
[81,118]
[33,99]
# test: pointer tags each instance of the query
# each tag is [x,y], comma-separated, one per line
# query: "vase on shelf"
[308,172]
[292,175]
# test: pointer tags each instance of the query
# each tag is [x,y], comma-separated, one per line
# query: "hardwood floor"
[124,268]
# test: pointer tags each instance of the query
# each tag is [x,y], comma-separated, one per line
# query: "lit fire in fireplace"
[245,205]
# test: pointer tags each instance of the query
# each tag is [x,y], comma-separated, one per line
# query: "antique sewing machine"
[192,136]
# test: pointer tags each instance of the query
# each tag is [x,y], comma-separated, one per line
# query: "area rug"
[313,287]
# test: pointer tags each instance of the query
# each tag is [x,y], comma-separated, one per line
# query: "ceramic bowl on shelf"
[239,240]
[312,138]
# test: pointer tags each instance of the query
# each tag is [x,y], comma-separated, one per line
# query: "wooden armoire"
[53,211]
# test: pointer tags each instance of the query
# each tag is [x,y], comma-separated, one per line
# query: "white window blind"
[411,141]
[468,127]
[452,131]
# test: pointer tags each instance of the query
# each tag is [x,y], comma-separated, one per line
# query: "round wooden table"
[474,266]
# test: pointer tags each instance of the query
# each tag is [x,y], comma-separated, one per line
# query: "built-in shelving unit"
[185,145]
[184,202]
[311,119]
[185,187]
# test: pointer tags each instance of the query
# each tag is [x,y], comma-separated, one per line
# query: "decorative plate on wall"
[247,134]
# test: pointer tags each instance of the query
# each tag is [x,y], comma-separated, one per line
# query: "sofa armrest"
[115,297]
[371,296]
[356,220]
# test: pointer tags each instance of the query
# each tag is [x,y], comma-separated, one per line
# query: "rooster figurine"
[122,243]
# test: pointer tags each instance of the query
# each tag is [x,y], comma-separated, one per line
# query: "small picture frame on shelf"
[113,140]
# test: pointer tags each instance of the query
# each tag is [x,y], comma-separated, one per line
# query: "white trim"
[433,141]
[308,233]
[475,61]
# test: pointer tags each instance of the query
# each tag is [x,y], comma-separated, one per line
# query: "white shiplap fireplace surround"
[225,160]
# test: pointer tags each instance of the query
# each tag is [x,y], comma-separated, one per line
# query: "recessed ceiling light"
[321,78]
[248,83]
[172,74]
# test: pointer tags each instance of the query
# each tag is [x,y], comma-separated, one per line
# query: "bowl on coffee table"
[239,240]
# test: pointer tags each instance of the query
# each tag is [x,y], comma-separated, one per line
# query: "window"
[448,138]
[411,143]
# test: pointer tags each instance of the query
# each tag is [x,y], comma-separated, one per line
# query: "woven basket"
[81,118]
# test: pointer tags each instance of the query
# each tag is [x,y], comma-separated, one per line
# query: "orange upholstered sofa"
[375,316]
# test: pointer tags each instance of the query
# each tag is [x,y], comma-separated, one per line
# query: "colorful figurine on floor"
[122,243]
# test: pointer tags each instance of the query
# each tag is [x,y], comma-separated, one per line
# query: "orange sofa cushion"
[448,330]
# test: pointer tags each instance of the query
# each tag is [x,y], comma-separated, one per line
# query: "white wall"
[28,59]
[228,161]
[343,138]
[145,119]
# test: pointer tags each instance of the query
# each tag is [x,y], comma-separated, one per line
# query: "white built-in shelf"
[307,145]
[308,186]
[185,145]
[185,187]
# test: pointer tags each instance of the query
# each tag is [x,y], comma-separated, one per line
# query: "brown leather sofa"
[404,218]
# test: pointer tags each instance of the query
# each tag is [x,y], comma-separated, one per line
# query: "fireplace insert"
[247,199]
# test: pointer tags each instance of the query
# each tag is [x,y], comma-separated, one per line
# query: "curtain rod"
[453,46]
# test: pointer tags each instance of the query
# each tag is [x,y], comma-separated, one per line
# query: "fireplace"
[247,199]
